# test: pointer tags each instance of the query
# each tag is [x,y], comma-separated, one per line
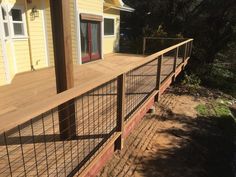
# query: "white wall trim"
[11,40]
[4,52]
[45,34]
[102,38]
[78,36]
[115,30]
[24,13]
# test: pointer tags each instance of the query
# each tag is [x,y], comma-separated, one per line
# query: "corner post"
[175,62]
[191,48]
[60,13]
[158,77]
[185,53]
[120,110]
[144,45]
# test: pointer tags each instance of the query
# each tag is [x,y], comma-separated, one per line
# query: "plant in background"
[160,32]
[191,80]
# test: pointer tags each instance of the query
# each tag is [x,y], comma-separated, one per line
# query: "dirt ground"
[175,142]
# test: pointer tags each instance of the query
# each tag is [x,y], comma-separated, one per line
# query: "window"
[5,22]
[109,26]
[17,22]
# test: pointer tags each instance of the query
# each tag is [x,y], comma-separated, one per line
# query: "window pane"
[109,26]
[4,14]
[95,37]
[84,39]
[18,29]
[16,15]
[6,29]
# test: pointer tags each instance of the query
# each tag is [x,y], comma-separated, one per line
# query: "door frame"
[78,20]
[92,57]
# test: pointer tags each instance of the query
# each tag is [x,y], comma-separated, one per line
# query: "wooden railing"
[153,44]
[31,141]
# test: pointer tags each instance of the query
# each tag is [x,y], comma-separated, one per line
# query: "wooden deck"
[30,87]
[96,115]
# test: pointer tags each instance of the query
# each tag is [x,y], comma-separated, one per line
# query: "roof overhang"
[119,6]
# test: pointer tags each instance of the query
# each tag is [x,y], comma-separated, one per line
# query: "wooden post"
[144,45]
[175,62]
[191,48]
[158,77]
[188,49]
[185,53]
[120,110]
[175,59]
[60,15]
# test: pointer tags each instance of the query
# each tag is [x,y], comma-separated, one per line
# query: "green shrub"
[191,80]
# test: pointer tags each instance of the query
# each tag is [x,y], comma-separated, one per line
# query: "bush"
[191,80]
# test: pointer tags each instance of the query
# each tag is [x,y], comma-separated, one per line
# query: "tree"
[210,22]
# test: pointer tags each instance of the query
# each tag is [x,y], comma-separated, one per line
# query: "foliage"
[215,108]
[211,23]
[222,77]
[219,111]
[202,110]
[191,80]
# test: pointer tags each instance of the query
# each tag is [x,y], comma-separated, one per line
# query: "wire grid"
[35,148]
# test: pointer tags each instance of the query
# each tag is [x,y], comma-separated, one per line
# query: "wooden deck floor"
[30,87]
[96,115]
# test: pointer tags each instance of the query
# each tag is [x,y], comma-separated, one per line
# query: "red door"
[90,40]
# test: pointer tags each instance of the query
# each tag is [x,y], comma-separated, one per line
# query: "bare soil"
[176,142]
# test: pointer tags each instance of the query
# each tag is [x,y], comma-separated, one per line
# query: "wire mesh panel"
[140,83]
[36,148]
[168,64]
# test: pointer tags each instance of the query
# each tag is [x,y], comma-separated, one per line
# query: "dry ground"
[175,142]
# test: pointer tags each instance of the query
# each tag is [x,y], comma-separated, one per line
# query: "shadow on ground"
[204,147]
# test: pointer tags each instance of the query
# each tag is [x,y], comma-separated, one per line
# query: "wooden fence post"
[158,77]
[191,48]
[60,13]
[175,62]
[120,110]
[144,45]
[185,53]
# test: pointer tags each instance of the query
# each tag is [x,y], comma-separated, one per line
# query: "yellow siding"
[49,33]
[36,31]
[10,59]
[73,31]
[90,6]
[2,69]
[22,56]
[111,43]
[20,62]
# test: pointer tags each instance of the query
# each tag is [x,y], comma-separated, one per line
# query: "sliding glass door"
[90,40]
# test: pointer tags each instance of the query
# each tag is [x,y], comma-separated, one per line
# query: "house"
[26,33]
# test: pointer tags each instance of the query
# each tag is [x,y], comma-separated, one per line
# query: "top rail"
[12,119]
[159,39]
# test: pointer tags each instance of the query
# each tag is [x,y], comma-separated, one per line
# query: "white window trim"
[18,37]
[8,22]
[112,18]
[2,38]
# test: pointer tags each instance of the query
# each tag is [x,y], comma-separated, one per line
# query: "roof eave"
[121,8]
